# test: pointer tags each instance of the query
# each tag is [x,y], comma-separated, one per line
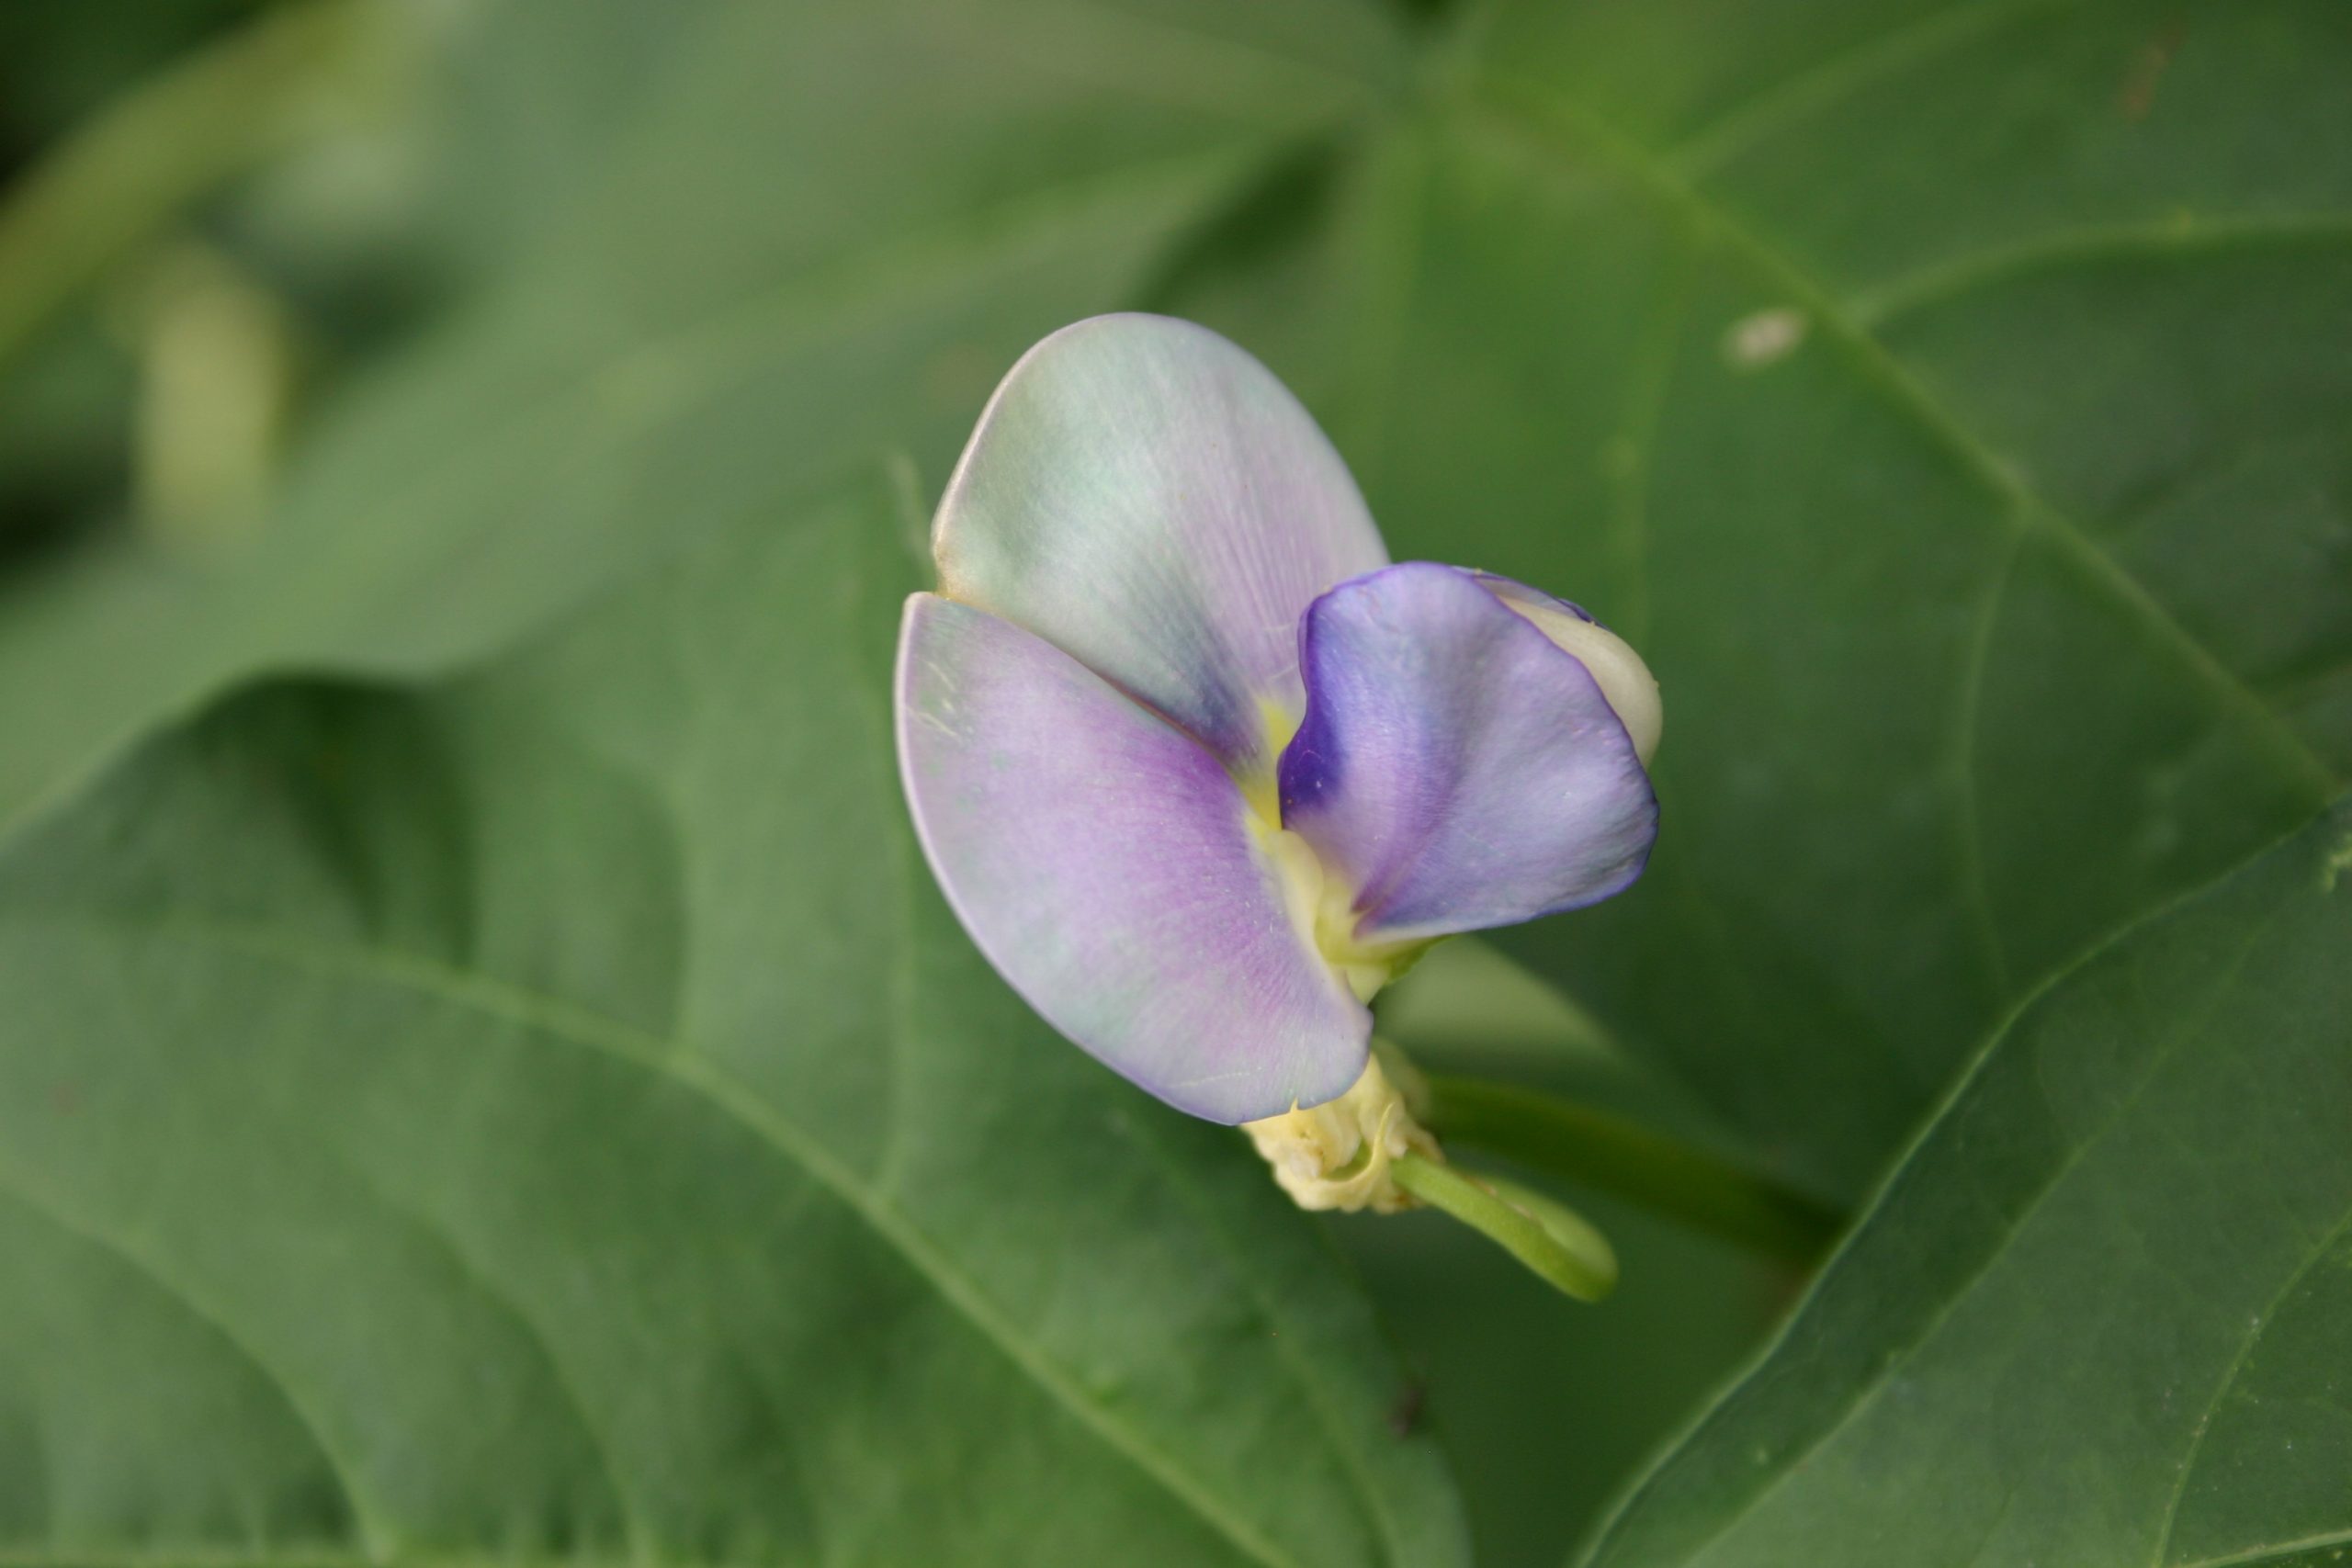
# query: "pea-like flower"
[1201,770]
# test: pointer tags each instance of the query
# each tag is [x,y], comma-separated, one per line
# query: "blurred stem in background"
[110,223]
[290,76]
[1617,1155]
[1503,1062]
[218,361]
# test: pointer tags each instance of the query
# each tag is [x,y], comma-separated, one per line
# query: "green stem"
[121,177]
[1614,1154]
[1554,1242]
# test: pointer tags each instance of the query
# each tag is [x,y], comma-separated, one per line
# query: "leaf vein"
[1943,281]
[443,1239]
[1966,724]
[2272,1551]
[373,1524]
[1529,114]
[1318,1399]
[1841,74]
[2236,1369]
[695,1072]
[1867,1396]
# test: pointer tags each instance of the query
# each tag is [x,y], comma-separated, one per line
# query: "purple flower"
[1198,768]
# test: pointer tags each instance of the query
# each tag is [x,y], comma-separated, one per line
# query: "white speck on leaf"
[1765,338]
[2338,861]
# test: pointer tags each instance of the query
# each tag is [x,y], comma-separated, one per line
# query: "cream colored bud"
[1615,668]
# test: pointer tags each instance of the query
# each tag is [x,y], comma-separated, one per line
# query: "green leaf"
[548,1114]
[2103,1312]
[887,202]
[1944,394]
[1948,400]
[1549,1409]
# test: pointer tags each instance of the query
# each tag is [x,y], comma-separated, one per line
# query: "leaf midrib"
[1528,114]
[676,1061]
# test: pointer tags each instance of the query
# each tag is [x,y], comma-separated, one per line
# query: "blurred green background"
[1952,397]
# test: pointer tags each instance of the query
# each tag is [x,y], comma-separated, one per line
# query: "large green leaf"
[782,239]
[1948,396]
[548,1115]
[2103,1315]
[1950,400]
[1549,1409]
